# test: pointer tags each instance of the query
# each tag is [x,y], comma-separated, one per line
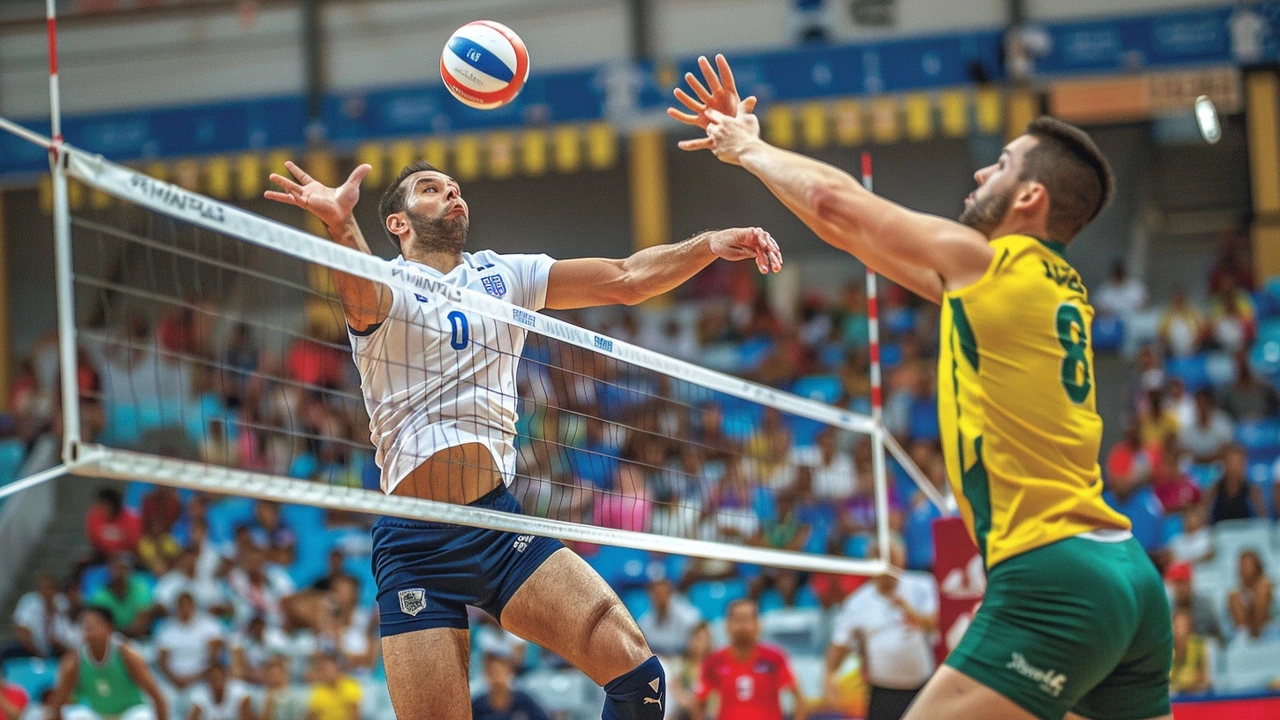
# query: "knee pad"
[639,695]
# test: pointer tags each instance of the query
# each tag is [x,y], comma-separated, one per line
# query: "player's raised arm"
[589,282]
[923,253]
[364,302]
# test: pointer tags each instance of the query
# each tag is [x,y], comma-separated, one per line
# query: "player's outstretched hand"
[332,206]
[720,93]
[728,136]
[747,243]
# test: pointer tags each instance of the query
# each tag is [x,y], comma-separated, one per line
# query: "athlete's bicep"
[586,282]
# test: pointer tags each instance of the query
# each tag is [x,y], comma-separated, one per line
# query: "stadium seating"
[35,675]
[1249,665]
[712,598]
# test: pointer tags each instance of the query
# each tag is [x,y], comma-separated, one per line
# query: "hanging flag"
[814,124]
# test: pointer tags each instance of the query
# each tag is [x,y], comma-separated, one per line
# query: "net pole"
[878,461]
[62,251]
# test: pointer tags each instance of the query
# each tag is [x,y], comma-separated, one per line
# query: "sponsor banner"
[1256,708]
[962,580]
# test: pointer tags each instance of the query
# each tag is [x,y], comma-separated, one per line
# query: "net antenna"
[189,209]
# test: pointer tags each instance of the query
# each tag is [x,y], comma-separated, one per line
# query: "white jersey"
[435,377]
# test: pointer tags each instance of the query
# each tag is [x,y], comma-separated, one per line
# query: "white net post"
[878,434]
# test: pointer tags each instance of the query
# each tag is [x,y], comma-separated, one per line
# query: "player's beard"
[986,214]
[439,234]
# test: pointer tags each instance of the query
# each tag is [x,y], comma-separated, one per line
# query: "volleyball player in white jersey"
[440,387]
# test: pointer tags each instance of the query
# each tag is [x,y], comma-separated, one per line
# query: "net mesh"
[203,346]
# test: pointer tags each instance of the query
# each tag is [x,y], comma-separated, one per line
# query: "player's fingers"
[726,75]
[699,144]
[358,175]
[709,72]
[696,86]
[286,183]
[685,118]
[285,198]
[747,106]
[298,172]
[715,116]
[688,102]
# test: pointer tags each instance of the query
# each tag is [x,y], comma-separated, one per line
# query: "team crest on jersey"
[494,285]
[413,601]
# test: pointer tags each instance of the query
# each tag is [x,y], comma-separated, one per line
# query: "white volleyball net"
[224,366]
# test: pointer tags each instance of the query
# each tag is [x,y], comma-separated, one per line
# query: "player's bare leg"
[427,673]
[952,695]
[566,607]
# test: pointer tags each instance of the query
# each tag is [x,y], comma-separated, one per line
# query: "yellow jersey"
[1017,405]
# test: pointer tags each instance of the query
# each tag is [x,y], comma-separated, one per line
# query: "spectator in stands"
[1211,431]
[748,677]
[1232,320]
[1233,497]
[1172,486]
[187,644]
[209,593]
[1190,673]
[627,505]
[239,361]
[682,675]
[1250,398]
[1195,543]
[1156,424]
[1232,264]
[312,360]
[1149,372]
[1180,403]
[670,619]
[162,505]
[258,589]
[1121,296]
[1252,603]
[217,448]
[831,470]
[1129,489]
[1130,462]
[281,701]
[220,697]
[13,699]
[107,675]
[336,569]
[127,597]
[272,534]
[890,621]
[348,627]
[111,527]
[334,695]
[501,701]
[157,548]
[252,649]
[1181,326]
[209,561]
[1183,597]
[42,622]
[786,529]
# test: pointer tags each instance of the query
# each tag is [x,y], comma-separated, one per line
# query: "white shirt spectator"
[32,614]
[899,655]
[1210,439]
[1121,298]
[188,643]
[836,480]
[1192,547]
[229,709]
[668,635]
[208,592]
[264,600]
[257,652]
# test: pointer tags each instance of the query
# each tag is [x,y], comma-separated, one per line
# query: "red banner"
[958,568]
[1253,709]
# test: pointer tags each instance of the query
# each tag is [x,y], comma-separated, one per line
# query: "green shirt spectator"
[127,597]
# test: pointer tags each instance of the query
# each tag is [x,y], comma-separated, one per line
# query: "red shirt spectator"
[311,362]
[13,700]
[1172,487]
[748,677]
[111,527]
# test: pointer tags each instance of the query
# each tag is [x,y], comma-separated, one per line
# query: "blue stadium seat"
[1172,526]
[831,355]
[712,598]
[35,675]
[856,546]
[804,432]
[1265,358]
[1108,334]
[637,601]
[1193,371]
[823,388]
[900,320]
[134,492]
[226,515]
[890,355]
[1259,435]
[1269,330]
[752,353]
[93,577]
[1205,474]
[771,600]
[741,423]
[674,566]
[622,568]
[807,598]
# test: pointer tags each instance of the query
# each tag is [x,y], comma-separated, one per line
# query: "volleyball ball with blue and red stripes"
[484,64]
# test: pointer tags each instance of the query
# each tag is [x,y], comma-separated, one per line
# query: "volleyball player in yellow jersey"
[1075,622]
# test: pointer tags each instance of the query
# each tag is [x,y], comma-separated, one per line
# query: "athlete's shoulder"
[772,653]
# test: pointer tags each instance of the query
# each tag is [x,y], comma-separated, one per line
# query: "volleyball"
[484,64]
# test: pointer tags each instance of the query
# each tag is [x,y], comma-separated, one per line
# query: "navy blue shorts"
[428,573]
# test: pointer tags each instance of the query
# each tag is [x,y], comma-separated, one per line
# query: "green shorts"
[1077,625]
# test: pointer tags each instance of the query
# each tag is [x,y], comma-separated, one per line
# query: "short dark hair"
[1073,171]
[101,612]
[393,198]
[748,602]
[112,498]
